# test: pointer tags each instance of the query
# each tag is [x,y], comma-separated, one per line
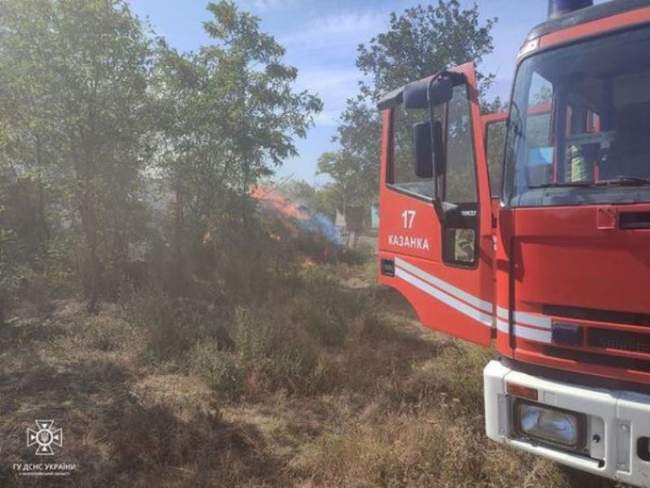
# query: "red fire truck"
[531,232]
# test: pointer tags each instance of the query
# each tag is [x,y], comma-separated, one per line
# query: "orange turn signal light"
[522,391]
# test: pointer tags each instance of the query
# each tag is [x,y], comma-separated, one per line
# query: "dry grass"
[420,448]
[343,389]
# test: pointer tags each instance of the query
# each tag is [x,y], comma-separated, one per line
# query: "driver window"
[460,194]
[401,171]
[460,181]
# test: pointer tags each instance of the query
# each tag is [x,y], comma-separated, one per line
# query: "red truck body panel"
[450,299]
[537,269]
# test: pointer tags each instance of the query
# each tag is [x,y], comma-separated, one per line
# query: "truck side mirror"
[429,149]
[423,150]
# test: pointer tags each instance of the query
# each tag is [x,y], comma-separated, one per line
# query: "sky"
[321,39]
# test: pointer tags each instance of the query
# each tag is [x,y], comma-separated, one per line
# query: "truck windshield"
[579,128]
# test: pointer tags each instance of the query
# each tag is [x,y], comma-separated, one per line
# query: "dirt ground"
[406,411]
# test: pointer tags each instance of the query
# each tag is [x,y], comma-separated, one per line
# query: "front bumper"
[615,421]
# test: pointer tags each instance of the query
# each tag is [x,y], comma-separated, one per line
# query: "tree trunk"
[179,226]
[2,311]
[43,230]
[88,213]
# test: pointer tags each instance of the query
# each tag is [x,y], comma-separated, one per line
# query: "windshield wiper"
[619,181]
[624,181]
[562,184]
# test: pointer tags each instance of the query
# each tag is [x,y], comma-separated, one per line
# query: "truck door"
[435,236]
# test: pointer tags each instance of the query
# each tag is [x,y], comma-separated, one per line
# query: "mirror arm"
[456,79]
[437,202]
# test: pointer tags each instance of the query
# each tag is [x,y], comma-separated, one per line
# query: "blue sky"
[321,38]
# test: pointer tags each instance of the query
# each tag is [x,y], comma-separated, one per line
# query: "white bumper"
[615,422]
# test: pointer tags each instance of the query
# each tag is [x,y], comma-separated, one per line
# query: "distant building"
[374,216]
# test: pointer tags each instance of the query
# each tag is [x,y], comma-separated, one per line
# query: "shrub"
[295,363]
[277,352]
[222,370]
[356,256]
[252,336]
[173,325]
[324,308]
[153,310]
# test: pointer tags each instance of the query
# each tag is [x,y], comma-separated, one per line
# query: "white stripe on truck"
[534,327]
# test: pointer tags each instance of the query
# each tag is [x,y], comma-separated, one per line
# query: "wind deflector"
[415,95]
[391,99]
[396,97]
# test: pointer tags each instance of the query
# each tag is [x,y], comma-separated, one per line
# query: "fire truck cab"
[535,239]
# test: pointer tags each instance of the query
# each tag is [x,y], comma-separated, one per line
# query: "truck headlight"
[549,424]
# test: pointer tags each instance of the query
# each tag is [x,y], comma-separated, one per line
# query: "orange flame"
[276,201]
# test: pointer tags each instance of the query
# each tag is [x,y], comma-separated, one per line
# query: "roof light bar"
[557,8]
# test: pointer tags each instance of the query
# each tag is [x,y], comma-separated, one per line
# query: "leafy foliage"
[420,41]
[75,107]
[123,161]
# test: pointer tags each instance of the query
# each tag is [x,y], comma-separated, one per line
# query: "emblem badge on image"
[44,437]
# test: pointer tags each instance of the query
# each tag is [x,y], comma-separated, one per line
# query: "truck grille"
[619,340]
[599,359]
[612,339]
[630,318]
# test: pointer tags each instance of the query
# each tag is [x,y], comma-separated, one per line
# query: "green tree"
[94,119]
[358,135]
[347,178]
[77,76]
[420,41]
[26,134]
[230,117]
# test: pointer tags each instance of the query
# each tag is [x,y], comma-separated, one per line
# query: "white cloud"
[330,30]
[326,47]
[273,4]
[328,80]
[333,86]
[267,5]
[327,118]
